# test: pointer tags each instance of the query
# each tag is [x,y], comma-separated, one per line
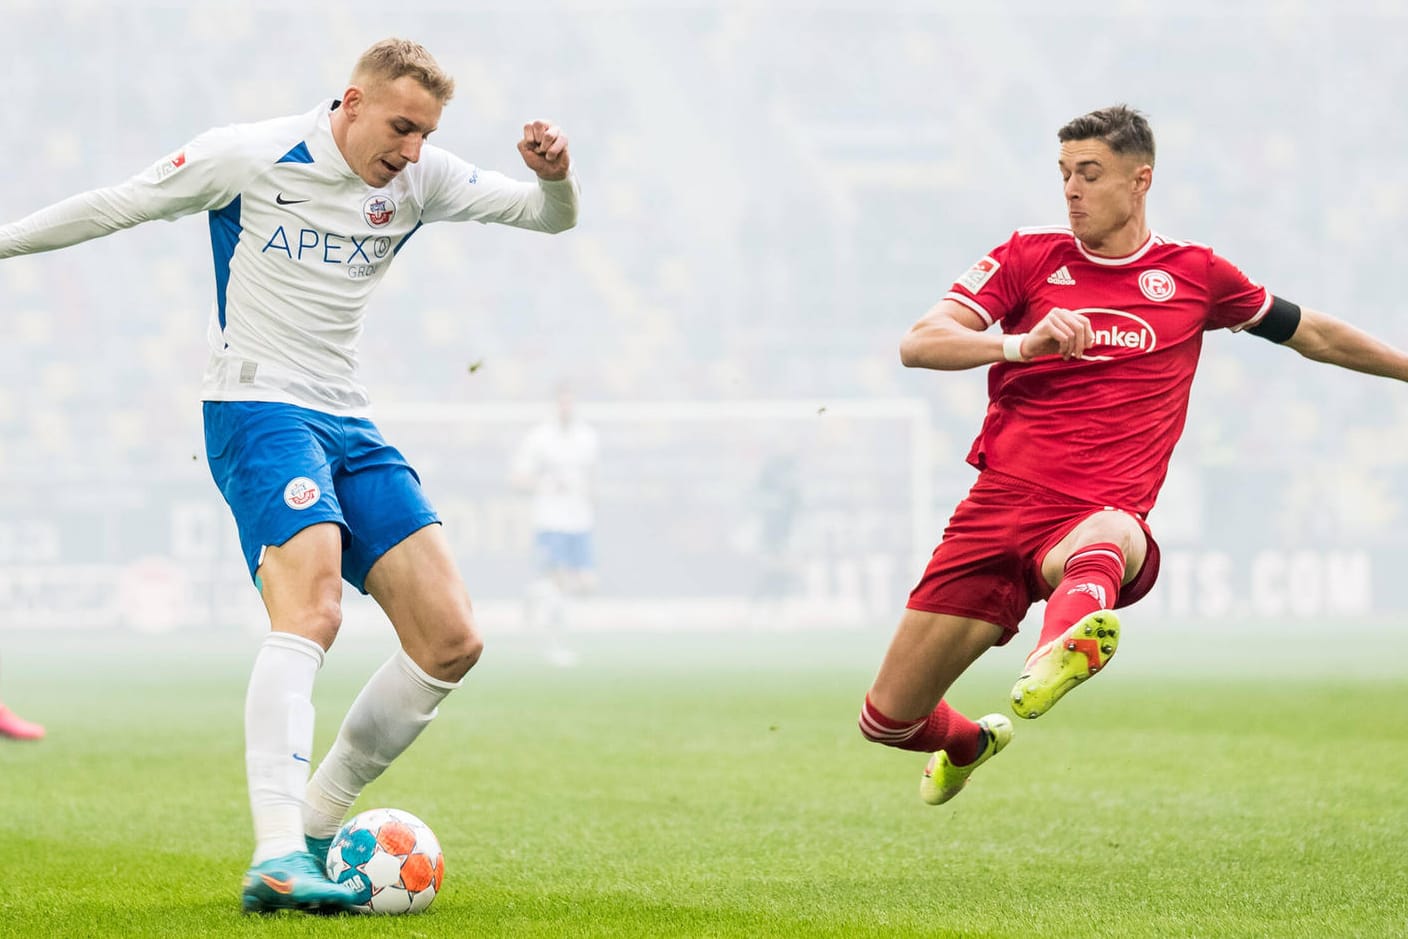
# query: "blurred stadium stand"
[773,192]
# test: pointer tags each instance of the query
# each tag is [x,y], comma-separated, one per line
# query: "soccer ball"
[397,852]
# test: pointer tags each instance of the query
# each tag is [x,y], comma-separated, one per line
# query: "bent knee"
[1119,528]
[455,654]
[468,650]
[319,622]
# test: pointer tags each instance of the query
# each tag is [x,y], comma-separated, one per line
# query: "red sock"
[1091,582]
[945,729]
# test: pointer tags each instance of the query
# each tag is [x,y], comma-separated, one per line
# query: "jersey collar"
[1121,261]
[324,147]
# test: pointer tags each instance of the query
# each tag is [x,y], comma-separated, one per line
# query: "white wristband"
[1012,347]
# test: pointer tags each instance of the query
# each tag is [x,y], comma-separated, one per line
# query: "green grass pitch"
[717,786]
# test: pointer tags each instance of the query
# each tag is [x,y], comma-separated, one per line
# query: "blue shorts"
[283,468]
[565,551]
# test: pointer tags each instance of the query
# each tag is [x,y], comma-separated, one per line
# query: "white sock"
[389,713]
[278,740]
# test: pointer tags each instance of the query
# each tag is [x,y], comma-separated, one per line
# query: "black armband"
[1279,323]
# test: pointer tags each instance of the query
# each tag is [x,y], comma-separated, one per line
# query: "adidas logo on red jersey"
[1062,278]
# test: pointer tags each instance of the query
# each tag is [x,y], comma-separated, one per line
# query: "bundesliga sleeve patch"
[169,165]
[978,275]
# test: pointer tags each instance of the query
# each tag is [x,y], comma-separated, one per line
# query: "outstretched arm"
[77,218]
[951,337]
[193,179]
[550,205]
[1323,338]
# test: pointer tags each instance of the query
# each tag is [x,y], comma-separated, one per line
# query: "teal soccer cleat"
[298,882]
[319,848]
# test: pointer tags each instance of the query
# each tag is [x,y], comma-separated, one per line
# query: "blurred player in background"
[1101,327]
[306,213]
[16,727]
[557,463]
[775,502]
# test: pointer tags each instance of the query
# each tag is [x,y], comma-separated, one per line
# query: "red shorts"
[988,565]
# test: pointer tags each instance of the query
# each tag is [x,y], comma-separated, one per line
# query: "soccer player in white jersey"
[306,213]
[557,462]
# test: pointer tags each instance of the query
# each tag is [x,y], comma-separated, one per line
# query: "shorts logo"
[978,275]
[1157,285]
[301,492]
[379,211]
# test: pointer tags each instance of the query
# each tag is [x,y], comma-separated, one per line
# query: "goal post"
[751,512]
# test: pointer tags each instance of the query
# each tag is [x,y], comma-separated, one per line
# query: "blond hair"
[391,59]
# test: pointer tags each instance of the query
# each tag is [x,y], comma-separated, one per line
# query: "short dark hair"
[1119,127]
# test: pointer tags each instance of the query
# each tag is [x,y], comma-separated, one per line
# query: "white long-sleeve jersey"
[299,242]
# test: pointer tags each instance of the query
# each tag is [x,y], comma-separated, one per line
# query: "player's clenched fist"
[1060,332]
[544,149]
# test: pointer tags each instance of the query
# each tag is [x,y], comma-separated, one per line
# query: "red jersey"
[1100,428]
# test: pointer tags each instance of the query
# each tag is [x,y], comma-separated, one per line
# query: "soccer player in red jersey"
[1100,329]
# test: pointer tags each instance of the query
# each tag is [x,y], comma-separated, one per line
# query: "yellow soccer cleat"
[1065,662]
[942,780]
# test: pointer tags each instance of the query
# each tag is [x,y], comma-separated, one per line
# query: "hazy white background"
[773,193]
